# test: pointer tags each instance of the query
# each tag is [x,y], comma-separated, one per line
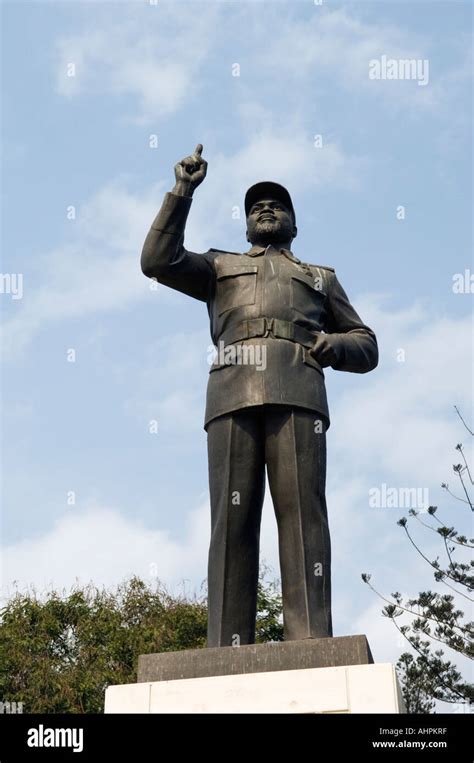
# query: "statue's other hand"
[323,352]
[190,172]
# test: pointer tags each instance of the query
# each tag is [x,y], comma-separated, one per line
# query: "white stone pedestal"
[351,689]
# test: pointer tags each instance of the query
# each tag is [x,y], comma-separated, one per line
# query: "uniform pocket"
[236,286]
[305,298]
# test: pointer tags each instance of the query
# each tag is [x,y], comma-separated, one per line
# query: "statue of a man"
[276,322]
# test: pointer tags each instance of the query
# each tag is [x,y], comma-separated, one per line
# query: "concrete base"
[255,658]
[349,689]
[325,675]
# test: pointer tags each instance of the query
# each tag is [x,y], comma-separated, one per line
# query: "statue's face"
[268,222]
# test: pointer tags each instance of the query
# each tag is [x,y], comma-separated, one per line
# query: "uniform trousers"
[291,443]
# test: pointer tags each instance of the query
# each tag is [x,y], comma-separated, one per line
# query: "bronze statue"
[276,322]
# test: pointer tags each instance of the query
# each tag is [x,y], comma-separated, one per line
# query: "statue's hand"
[323,352]
[189,173]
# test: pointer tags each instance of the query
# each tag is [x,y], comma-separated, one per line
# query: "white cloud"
[152,53]
[102,546]
[96,270]
[156,56]
[385,641]
[401,416]
[333,48]
[170,383]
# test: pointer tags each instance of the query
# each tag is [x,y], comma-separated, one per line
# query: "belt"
[254,327]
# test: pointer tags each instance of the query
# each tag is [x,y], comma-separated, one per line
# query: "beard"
[269,232]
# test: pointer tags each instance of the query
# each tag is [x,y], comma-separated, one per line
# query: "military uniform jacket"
[267,304]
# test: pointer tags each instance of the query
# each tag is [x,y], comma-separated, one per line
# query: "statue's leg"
[296,465]
[236,450]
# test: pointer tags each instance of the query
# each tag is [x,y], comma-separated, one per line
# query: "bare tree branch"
[457,411]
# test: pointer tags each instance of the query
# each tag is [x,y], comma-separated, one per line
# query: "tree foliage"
[58,654]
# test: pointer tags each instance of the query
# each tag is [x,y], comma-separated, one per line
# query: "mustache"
[264,220]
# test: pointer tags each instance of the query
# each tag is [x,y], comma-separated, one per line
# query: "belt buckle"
[268,326]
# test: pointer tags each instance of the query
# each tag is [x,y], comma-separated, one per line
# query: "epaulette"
[309,269]
[324,267]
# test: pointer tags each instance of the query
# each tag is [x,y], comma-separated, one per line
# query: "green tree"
[416,687]
[59,654]
[269,626]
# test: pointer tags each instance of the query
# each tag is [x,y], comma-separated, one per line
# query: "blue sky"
[141,499]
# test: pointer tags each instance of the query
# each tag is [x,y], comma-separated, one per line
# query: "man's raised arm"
[164,257]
